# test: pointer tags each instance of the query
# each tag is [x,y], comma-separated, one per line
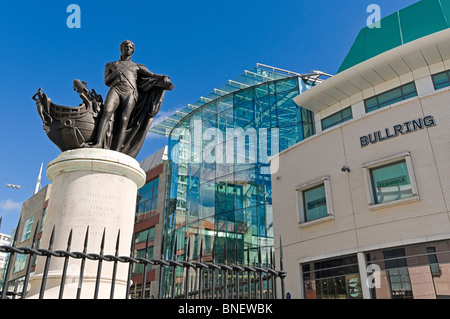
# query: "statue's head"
[127,48]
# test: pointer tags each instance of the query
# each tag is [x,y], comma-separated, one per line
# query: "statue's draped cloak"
[150,96]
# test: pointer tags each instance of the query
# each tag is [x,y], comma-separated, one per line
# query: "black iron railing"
[186,278]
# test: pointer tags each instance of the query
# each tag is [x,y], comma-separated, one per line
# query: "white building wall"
[355,227]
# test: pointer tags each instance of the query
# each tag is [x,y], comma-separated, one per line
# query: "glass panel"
[441,281]
[332,279]
[400,283]
[308,123]
[331,120]
[192,202]
[441,80]
[154,204]
[194,172]
[421,282]
[208,111]
[371,104]
[225,103]
[409,90]
[245,181]
[315,203]
[142,236]
[337,118]
[245,149]
[263,116]
[287,111]
[289,135]
[207,200]
[146,187]
[208,172]
[347,113]
[225,194]
[390,97]
[243,97]
[391,182]
[26,232]
[210,136]
[225,120]
[244,116]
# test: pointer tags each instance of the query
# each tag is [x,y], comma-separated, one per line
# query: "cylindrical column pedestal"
[92,188]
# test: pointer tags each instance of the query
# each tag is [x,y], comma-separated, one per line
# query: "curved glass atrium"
[219,192]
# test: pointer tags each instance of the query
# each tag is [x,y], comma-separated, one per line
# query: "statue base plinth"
[92,188]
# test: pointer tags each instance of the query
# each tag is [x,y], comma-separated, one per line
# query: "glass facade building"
[219,192]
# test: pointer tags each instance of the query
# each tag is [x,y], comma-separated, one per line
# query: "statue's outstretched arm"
[146,72]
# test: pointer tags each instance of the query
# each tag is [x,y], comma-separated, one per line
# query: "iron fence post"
[130,269]
[47,265]
[283,294]
[114,274]
[66,263]
[83,262]
[10,262]
[27,272]
[99,268]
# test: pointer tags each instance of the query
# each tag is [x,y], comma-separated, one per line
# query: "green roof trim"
[411,23]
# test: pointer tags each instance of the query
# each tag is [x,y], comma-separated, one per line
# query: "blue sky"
[199,44]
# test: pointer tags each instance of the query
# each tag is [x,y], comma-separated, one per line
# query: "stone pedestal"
[95,188]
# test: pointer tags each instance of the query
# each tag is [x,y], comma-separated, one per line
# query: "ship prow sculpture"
[70,127]
[119,123]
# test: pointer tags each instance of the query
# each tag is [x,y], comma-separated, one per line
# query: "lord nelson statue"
[133,100]
[120,123]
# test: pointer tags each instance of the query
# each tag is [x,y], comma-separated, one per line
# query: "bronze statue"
[122,122]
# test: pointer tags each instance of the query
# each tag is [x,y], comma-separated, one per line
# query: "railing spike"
[144,272]
[283,295]
[200,277]
[113,279]
[10,262]
[47,265]
[130,268]
[174,267]
[66,263]
[161,268]
[100,264]
[83,263]
[30,260]
[186,281]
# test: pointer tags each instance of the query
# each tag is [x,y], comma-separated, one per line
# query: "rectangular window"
[390,180]
[20,262]
[147,200]
[441,80]
[44,213]
[26,232]
[139,268]
[332,279]
[141,237]
[390,97]
[337,118]
[314,201]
